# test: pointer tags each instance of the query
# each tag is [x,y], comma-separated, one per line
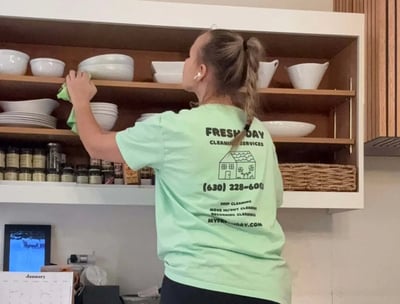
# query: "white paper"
[36,287]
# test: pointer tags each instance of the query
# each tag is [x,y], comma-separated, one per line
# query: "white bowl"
[50,67]
[289,128]
[265,73]
[105,120]
[39,106]
[13,62]
[103,105]
[108,58]
[167,67]
[168,78]
[109,71]
[307,75]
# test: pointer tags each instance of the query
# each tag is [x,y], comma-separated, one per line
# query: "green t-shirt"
[215,208]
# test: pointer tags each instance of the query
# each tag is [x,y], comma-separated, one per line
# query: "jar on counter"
[146,174]
[52,175]
[12,157]
[67,175]
[39,159]
[2,158]
[38,175]
[11,174]
[106,165]
[95,162]
[25,174]
[1,174]
[25,158]
[53,156]
[118,179]
[118,169]
[82,175]
[95,176]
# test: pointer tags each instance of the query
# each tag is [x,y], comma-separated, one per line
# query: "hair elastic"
[246,127]
[245,44]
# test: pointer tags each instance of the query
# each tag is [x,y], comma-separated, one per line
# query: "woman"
[218,183]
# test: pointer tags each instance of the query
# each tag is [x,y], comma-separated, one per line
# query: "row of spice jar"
[81,175]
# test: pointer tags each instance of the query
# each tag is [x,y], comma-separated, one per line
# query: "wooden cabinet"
[382,69]
[290,36]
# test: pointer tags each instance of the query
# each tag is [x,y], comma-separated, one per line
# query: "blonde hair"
[235,64]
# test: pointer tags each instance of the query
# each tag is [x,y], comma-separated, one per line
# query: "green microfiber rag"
[63,94]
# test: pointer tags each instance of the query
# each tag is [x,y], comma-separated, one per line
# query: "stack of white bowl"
[105,113]
[145,116]
[109,67]
[167,71]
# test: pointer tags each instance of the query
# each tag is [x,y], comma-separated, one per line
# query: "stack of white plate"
[145,116]
[109,67]
[29,113]
[167,71]
[105,113]
[26,119]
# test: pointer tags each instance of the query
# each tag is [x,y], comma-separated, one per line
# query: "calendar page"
[36,287]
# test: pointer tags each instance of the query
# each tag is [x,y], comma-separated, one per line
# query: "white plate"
[289,128]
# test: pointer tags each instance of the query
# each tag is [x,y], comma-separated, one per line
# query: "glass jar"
[2,158]
[12,157]
[106,165]
[25,174]
[39,159]
[11,174]
[52,175]
[53,156]
[108,177]
[82,175]
[38,175]
[1,174]
[146,176]
[67,174]
[118,179]
[25,158]
[95,162]
[118,169]
[95,176]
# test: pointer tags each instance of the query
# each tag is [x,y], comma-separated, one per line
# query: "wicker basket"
[318,177]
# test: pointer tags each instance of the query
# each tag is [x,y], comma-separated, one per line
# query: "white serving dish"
[168,78]
[108,58]
[288,128]
[13,62]
[39,106]
[50,67]
[109,71]
[265,73]
[167,67]
[307,75]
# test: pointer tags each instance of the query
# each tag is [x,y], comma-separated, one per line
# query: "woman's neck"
[225,100]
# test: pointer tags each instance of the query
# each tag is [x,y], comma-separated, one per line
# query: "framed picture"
[26,247]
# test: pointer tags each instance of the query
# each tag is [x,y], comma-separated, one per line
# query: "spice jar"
[11,174]
[108,177]
[118,179]
[2,158]
[95,176]
[25,174]
[146,176]
[106,165]
[67,174]
[95,162]
[12,157]
[25,158]
[82,175]
[1,174]
[39,159]
[53,156]
[38,175]
[52,175]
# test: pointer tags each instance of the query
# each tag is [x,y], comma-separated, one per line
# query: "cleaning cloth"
[63,95]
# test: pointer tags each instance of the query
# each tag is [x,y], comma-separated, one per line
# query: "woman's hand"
[80,88]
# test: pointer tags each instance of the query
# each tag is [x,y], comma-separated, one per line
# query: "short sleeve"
[142,145]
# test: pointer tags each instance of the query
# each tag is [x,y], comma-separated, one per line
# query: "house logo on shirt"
[237,165]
